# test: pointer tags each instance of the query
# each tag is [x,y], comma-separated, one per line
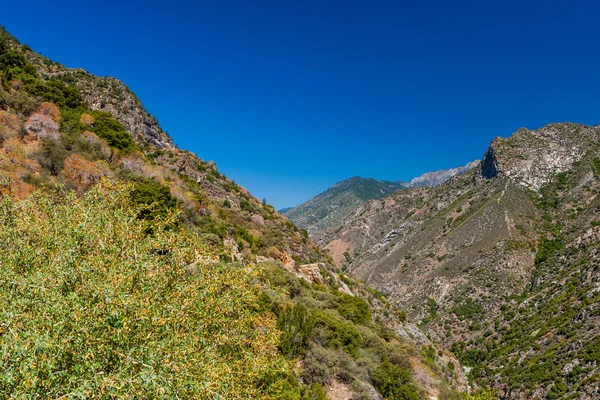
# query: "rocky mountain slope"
[327,209]
[430,179]
[499,263]
[133,269]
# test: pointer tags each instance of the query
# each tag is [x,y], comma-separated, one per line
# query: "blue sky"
[290,97]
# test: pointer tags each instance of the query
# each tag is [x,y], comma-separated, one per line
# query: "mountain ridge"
[327,209]
[471,257]
[324,210]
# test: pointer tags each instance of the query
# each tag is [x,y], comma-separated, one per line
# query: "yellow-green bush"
[91,306]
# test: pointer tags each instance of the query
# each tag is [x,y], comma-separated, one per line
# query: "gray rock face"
[435,178]
[488,165]
[460,238]
[128,110]
[532,158]
[451,256]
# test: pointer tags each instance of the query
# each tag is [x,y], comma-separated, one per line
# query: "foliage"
[394,382]
[14,66]
[353,308]
[108,128]
[296,325]
[480,395]
[155,198]
[53,155]
[93,307]
[56,92]
[317,366]
[337,333]
[334,334]
[469,309]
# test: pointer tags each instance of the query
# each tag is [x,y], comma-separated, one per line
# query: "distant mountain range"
[431,179]
[329,208]
[333,205]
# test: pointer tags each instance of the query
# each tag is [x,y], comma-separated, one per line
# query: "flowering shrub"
[95,307]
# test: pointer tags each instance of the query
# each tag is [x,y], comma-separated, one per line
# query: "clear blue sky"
[289,97]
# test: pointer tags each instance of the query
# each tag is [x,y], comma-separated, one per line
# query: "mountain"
[284,210]
[435,178]
[134,269]
[328,208]
[499,264]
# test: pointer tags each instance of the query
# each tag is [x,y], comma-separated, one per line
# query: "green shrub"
[317,366]
[484,394]
[296,326]
[317,392]
[336,333]
[56,92]
[108,128]
[394,382]
[353,308]
[14,66]
[156,200]
[52,156]
[469,309]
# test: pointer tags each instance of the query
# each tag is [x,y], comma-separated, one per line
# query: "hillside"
[498,263]
[134,269]
[327,209]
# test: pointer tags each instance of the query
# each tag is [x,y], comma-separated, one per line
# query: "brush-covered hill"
[133,269]
[500,264]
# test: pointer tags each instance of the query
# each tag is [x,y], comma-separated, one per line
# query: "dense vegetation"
[93,306]
[116,277]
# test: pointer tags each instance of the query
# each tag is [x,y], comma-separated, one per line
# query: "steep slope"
[327,209]
[133,269]
[430,179]
[486,244]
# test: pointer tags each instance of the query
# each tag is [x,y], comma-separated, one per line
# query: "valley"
[504,250]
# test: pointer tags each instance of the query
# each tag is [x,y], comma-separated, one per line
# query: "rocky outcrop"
[462,238]
[532,158]
[500,258]
[113,96]
[488,164]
